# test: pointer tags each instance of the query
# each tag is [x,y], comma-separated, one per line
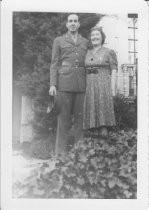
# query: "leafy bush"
[33,35]
[94,168]
[125,112]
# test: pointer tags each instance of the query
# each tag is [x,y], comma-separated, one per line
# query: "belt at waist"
[72,64]
[94,69]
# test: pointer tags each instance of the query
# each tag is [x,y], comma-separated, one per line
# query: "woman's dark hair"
[97,28]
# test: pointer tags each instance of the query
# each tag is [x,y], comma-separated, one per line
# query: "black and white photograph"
[76,122]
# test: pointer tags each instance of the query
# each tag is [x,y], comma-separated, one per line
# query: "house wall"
[116,31]
[16,114]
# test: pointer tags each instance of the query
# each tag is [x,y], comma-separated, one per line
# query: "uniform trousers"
[71,105]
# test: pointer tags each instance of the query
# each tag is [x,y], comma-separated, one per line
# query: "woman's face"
[96,38]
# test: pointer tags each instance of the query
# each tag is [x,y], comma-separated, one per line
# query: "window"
[132,37]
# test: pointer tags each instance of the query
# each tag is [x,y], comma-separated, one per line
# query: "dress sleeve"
[112,60]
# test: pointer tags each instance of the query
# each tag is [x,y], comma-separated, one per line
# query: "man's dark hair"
[73,14]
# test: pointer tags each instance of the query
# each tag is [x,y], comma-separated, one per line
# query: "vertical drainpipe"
[134,35]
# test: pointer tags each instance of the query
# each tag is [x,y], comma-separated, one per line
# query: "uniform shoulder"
[85,42]
[84,39]
[58,38]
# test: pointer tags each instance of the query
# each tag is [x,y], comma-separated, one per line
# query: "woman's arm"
[114,81]
[114,68]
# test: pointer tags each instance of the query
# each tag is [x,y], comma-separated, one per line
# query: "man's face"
[72,23]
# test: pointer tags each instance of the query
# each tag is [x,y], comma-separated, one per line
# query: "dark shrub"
[125,111]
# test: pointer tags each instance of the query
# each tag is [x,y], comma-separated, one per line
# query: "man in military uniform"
[67,81]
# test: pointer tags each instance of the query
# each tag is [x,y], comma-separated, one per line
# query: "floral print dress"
[98,104]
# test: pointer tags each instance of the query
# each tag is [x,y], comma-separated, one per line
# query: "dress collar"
[95,52]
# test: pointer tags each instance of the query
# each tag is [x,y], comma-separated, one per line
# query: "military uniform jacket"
[67,70]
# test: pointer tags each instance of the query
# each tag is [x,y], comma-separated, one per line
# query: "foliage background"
[33,35]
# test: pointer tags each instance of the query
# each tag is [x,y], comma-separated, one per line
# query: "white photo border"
[95,6]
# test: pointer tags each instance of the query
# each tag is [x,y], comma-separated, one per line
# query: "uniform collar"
[70,40]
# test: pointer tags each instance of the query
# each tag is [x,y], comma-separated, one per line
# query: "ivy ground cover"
[94,169]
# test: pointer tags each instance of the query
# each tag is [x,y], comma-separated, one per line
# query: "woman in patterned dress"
[101,67]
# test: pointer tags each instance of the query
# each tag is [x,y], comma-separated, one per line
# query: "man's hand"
[52,91]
